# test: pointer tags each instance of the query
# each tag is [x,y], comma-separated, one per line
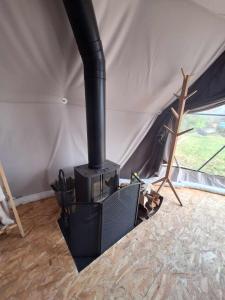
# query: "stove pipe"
[83,21]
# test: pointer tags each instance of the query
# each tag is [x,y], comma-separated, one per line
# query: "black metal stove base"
[91,228]
[80,262]
[83,262]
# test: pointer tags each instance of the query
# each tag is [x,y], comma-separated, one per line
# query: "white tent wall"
[145,43]
[215,6]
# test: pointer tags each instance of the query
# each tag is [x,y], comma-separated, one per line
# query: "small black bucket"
[64,189]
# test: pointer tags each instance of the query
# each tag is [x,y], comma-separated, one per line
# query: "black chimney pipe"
[84,25]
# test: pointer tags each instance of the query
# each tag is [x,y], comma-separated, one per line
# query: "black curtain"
[148,157]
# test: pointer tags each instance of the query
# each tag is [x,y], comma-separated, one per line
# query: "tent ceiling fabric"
[214,6]
[145,42]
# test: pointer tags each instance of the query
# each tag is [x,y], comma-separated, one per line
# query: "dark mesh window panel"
[119,213]
[84,230]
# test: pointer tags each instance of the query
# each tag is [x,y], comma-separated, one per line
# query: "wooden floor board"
[177,254]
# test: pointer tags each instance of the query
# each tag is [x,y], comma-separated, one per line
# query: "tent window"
[201,144]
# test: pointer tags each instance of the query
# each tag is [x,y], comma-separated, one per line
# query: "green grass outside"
[194,149]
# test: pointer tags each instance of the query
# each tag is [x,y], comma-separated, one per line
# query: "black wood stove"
[94,185]
[101,213]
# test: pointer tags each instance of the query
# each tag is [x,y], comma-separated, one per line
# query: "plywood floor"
[178,254]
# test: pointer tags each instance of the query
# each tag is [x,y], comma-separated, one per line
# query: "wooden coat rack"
[5,186]
[176,133]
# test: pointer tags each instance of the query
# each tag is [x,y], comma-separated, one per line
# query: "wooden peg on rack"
[176,95]
[182,71]
[174,113]
[190,95]
[175,132]
[185,131]
[170,130]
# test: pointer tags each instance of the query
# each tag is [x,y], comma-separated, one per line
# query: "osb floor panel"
[177,254]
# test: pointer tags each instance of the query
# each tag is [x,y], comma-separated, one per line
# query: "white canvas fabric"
[145,44]
[4,211]
[215,6]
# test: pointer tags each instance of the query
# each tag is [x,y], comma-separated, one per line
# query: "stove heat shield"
[95,227]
